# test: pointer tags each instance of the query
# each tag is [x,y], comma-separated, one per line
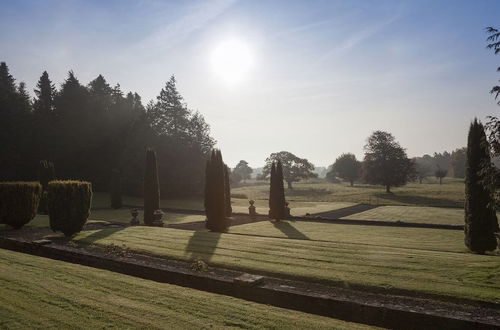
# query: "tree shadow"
[307,192]
[202,245]
[100,234]
[421,200]
[290,231]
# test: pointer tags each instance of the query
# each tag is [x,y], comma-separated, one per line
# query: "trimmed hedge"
[19,202]
[69,205]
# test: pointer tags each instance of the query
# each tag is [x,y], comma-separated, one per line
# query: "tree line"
[91,131]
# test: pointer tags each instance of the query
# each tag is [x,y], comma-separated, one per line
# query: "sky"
[315,78]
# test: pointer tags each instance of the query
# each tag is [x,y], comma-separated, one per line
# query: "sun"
[232,60]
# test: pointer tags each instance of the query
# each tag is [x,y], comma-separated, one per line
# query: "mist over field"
[249,164]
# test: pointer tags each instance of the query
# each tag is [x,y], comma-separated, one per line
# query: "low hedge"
[19,202]
[69,205]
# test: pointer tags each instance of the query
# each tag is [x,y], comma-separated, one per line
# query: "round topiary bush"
[19,202]
[69,205]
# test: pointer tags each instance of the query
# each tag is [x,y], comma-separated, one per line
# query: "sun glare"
[232,60]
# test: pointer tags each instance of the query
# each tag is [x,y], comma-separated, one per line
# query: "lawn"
[429,193]
[120,215]
[42,293]
[296,208]
[448,216]
[436,272]
[411,238]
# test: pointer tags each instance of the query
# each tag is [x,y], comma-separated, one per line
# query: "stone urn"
[157,221]
[251,209]
[287,210]
[135,217]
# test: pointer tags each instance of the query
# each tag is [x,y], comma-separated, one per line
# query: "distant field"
[430,193]
[436,215]
[47,294]
[459,275]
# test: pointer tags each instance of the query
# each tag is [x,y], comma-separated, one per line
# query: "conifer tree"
[480,216]
[272,191]
[227,191]
[215,196]
[151,187]
[45,92]
[280,192]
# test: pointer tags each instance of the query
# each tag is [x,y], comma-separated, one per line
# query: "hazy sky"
[319,76]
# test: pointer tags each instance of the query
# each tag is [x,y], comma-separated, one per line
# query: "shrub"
[69,205]
[19,202]
[151,188]
[115,190]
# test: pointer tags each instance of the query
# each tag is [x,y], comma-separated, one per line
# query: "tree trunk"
[388,189]
[289,183]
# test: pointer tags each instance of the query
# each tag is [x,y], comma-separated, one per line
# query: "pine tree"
[227,191]
[115,190]
[272,191]
[215,196]
[480,216]
[151,187]
[45,92]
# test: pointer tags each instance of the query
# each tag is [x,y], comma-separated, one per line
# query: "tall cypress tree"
[227,191]
[151,187]
[272,191]
[480,216]
[215,196]
[280,192]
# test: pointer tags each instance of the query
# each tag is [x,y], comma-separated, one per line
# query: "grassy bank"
[48,294]
[458,275]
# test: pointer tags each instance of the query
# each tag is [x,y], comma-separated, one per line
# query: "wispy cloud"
[195,18]
[357,37]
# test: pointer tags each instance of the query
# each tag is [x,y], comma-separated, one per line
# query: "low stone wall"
[280,296]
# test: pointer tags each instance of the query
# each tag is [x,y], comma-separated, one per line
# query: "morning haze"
[249,164]
[332,71]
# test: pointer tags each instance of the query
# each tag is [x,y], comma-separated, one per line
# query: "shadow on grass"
[202,245]
[289,230]
[100,234]
[307,192]
[420,200]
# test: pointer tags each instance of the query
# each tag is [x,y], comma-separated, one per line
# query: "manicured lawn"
[448,216]
[296,208]
[120,215]
[459,275]
[429,193]
[42,293]
[411,238]
[101,200]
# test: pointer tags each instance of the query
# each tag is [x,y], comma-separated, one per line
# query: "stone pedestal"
[251,209]
[135,217]
[157,218]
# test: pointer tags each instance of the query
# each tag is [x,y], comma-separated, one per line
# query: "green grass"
[430,193]
[120,215]
[43,293]
[449,274]
[411,238]
[448,216]
[296,208]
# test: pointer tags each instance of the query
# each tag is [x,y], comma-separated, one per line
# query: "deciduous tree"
[386,162]
[294,168]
